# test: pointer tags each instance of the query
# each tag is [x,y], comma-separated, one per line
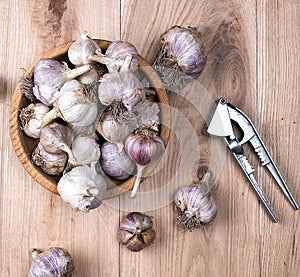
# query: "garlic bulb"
[31,119]
[55,261]
[74,105]
[115,124]
[52,164]
[122,87]
[49,77]
[194,206]
[144,147]
[115,164]
[56,138]
[85,150]
[136,231]
[82,188]
[118,50]
[81,49]
[181,57]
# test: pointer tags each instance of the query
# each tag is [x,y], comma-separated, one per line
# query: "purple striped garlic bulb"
[50,75]
[144,147]
[54,262]
[195,205]
[181,57]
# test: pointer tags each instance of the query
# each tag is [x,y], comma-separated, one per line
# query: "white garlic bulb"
[195,206]
[122,87]
[81,49]
[52,164]
[74,105]
[115,124]
[85,150]
[31,119]
[56,138]
[82,188]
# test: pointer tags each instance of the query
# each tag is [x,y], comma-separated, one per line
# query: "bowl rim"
[17,135]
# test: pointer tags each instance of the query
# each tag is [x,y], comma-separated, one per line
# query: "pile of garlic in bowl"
[89,114]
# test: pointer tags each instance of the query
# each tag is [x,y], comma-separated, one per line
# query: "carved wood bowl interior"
[24,145]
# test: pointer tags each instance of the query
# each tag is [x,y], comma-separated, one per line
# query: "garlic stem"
[35,252]
[140,171]
[105,60]
[72,74]
[202,29]
[49,116]
[67,149]
[92,191]
[126,64]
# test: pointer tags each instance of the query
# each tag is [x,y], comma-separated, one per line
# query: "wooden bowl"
[24,145]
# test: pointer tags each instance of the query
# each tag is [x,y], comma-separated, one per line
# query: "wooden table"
[253,60]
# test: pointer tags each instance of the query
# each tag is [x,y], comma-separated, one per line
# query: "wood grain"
[252,59]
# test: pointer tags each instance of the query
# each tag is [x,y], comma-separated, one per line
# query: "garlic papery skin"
[146,114]
[82,188]
[136,231]
[52,164]
[74,105]
[143,147]
[49,77]
[115,164]
[56,261]
[115,124]
[82,48]
[195,206]
[85,150]
[31,119]
[181,57]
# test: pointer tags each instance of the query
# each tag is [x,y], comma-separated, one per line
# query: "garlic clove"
[148,236]
[124,236]
[31,119]
[135,244]
[82,188]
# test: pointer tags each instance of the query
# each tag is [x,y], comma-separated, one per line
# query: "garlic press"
[221,125]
